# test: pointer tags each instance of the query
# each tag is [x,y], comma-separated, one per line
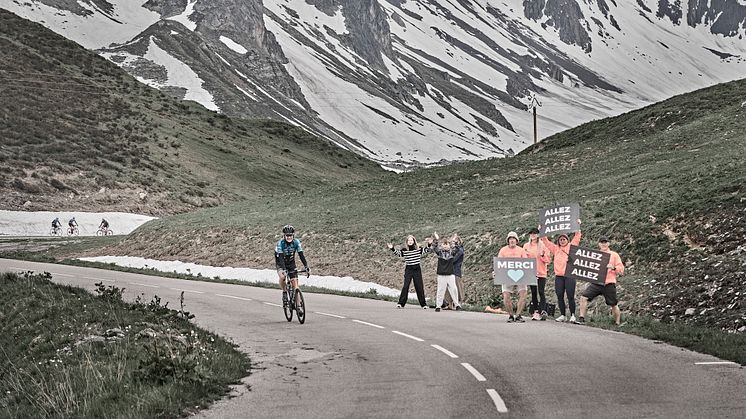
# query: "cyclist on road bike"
[285,252]
[104,225]
[56,223]
[72,223]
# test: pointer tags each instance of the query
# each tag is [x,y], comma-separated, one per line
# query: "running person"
[285,252]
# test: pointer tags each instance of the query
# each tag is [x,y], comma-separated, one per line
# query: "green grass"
[52,368]
[74,123]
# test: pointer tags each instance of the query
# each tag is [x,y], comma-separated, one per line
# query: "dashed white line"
[58,274]
[445,351]
[716,363]
[499,403]
[330,315]
[408,336]
[144,285]
[473,371]
[233,296]
[272,304]
[97,279]
[369,324]
[179,289]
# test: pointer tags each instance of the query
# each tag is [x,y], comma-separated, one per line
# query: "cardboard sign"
[559,219]
[588,265]
[514,271]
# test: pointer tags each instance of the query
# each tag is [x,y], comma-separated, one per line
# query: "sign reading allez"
[559,219]
[515,271]
[588,265]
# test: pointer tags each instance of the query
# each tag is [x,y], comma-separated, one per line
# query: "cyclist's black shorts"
[292,271]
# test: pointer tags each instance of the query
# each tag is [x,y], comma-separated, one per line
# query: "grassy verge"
[68,353]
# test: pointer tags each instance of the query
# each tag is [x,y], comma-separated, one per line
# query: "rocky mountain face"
[414,81]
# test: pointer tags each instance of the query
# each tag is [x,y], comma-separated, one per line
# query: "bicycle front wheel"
[300,306]
[100,233]
[287,306]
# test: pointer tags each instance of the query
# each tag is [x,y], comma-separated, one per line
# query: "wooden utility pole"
[532,108]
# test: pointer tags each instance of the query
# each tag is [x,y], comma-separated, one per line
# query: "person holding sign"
[412,255]
[446,278]
[512,250]
[608,290]
[562,284]
[536,249]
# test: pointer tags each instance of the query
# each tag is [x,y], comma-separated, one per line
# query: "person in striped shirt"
[412,254]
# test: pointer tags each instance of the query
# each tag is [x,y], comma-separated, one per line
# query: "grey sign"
[515,271]
[588,265]
[559,219]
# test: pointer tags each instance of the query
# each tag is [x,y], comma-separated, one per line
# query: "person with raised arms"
[447,254]
[512,250]
[562,284]
[412,255]
[608,290]
[536,249]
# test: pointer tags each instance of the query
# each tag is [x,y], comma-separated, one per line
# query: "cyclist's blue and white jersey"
[285,253]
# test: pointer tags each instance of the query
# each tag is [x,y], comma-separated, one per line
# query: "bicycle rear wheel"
[288,308]
[100,232]
[300,306]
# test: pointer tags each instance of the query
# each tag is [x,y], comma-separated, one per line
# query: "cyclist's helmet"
[288,229]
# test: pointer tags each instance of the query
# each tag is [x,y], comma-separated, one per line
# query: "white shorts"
[511,288]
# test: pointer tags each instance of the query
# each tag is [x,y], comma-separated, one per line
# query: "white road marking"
[58,274]
[368,324]
[272,304]
[473,372]
[179,289]
[330,315]
[233,296]
[445,351]
[499,403]
[16,267]
[97,279]
[144,285]
[716,363]
[408,336]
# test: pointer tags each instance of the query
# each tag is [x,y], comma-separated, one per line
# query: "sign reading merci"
[559,219]
[514,271]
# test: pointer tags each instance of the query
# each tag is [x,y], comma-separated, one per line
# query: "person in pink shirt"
[512,250]
[536,249]
[608,290]
[562,284]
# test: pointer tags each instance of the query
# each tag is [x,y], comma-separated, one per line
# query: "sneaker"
[519,319]
[424,307]
[511,319]
[437,309]
[399,306]
[581,320]
[458,308]
[543,316]
[536,316]
[572,319]
[560,318]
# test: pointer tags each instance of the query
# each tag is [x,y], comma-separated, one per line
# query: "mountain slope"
[666,183]
[417,81]
[78,132]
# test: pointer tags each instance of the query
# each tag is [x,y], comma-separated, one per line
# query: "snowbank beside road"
[39,223]
[244,274]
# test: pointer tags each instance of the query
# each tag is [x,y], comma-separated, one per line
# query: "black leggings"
[541,303]
[564,285]
[412,272]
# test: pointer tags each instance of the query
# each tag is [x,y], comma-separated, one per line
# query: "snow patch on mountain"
[184,17]
[235,46]
[94,30]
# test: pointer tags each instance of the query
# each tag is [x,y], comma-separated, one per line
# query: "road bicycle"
[73,231]
[56,231]
[104,232]
[295,299]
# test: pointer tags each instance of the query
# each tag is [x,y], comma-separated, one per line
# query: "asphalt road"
[365,358]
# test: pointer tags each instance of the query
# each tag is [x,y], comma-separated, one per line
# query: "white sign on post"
[514,271]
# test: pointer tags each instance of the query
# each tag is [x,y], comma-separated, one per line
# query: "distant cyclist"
[285,252]
[72,223]
[104,225]
[56,223]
